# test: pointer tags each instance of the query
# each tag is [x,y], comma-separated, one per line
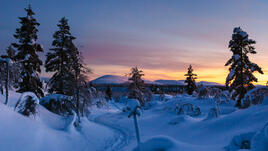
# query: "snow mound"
[132,106]
[260,140]
[159,143]
[265,101]
[212,114]
[241,141]
[55,121]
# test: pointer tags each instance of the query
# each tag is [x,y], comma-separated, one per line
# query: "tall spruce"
[240,78]
[136,86]
[64,59]
[59,60]
[190,80]
[26,56]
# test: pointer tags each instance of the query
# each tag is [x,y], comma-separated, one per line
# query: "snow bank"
[55,121]
[260,140]
[159,143]
[241,141]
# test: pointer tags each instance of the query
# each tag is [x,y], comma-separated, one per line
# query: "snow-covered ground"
[160,128]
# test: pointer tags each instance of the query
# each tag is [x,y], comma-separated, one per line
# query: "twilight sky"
[160,36]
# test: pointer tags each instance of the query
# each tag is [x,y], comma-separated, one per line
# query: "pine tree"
[108,93]
[190,80]
[27,55]
[59,60]
[136,86]
[240,78]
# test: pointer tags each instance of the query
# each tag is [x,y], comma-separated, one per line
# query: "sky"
[162,37]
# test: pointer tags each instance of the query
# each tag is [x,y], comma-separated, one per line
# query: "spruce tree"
[136,86]
[108,93]
[190,80]
[66,62]
[26,56]
[240,78]
[59,60]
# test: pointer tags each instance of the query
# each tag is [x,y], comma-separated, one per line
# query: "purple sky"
[161,37]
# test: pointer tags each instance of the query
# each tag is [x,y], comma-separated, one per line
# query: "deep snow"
[160,128]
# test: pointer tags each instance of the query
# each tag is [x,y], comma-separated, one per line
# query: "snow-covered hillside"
[115,79]
[110,79]
[170,82]
[162,126]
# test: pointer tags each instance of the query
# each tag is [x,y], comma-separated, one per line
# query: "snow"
[55,97]
[110,79]
[24,96]
[170,82]
[49,131]
[115,79]
[161,128]
[260,140]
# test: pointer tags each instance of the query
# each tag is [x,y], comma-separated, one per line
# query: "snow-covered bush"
[213,113]
[27,104]
[242,141]
[260,140]
[203,92]
[58,103]
[255,96]
[188,109]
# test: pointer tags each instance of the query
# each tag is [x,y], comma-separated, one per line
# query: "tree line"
[21,66]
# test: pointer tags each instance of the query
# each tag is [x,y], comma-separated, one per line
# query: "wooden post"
[137,130]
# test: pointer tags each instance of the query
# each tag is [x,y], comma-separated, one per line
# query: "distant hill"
[110,79]
[115,79]
[170,82]
[209,83]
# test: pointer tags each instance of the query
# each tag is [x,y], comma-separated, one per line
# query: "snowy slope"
[205,83]
[115,79]
[48,131]
[110,79]
[161,123]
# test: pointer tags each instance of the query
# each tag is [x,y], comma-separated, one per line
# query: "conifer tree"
[190,80]
[26,56]
[240,78]
[108,93]
[136,86]
[59,60]
[66,62]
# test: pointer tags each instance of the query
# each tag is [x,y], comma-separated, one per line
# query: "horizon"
[162,38]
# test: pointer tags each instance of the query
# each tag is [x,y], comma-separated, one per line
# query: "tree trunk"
[7,82]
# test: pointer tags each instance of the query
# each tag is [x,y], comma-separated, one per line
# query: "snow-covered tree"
[66,62]
[59,60]
[190,80]
[26,56]
[9,72]
[240,78]
[136,87]
[108,93]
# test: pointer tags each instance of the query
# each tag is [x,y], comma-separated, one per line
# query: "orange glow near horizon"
[210,74]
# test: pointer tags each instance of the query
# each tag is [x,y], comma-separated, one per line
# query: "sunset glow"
[162,38]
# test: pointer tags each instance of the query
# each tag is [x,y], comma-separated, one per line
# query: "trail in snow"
[122,136]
